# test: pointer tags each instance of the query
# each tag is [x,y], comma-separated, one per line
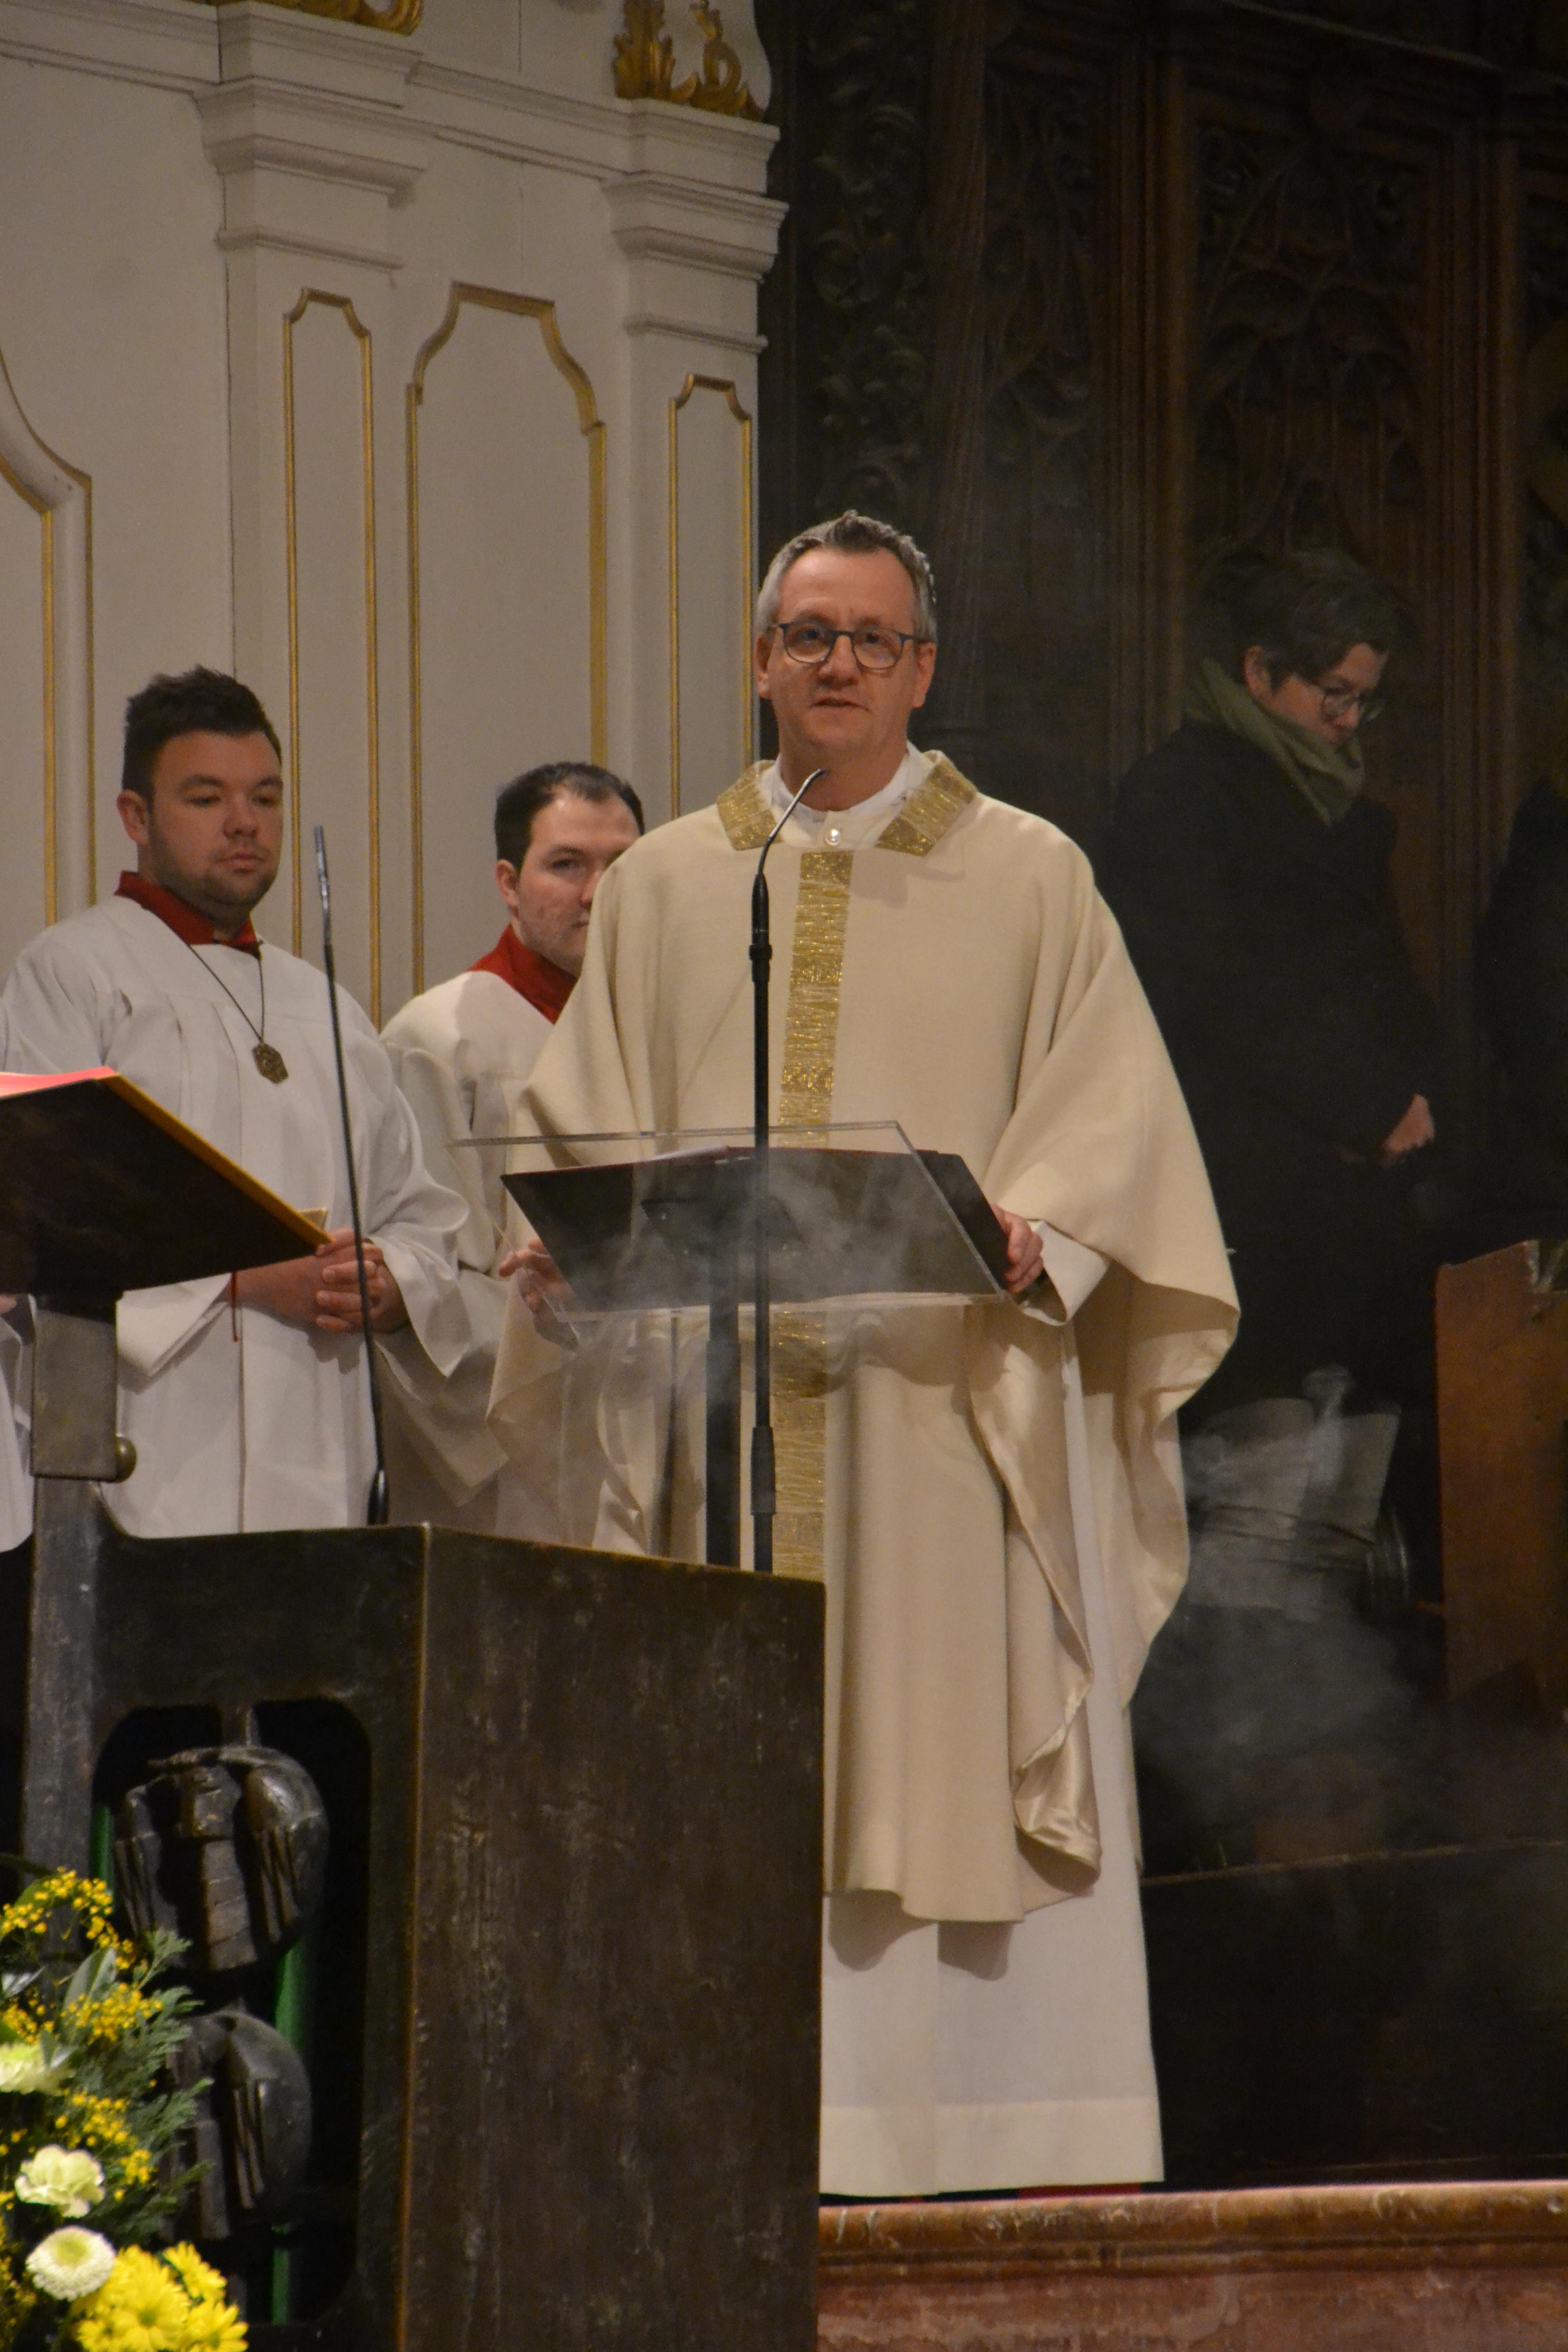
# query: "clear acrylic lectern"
[650,1221]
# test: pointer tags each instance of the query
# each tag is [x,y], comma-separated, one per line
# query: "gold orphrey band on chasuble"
[805,1099]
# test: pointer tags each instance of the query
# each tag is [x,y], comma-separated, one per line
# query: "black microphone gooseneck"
[378,1504]
[764,1498]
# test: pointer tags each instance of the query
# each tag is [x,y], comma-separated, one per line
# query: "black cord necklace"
[268,1059]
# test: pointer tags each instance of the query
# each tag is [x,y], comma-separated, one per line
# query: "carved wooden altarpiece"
[1081,292]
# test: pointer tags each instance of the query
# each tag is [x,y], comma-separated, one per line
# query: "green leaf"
[94,1978]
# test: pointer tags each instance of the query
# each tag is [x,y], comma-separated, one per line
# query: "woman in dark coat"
[1251,878]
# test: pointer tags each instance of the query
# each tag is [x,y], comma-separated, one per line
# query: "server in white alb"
[462,1052]
[246,1400]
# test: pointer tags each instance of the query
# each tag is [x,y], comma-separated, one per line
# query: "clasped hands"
[321,1293]
[546,1292]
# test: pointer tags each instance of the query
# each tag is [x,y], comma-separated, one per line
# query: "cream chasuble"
[240,1421]
[955,971]
[461,1052]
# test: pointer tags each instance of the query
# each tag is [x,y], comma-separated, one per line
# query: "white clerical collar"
[847,828]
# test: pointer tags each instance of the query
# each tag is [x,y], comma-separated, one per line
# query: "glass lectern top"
[670,1219]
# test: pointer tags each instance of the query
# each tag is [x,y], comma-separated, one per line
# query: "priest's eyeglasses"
[1345,702]
[874,648]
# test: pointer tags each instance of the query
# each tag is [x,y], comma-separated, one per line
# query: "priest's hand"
[321,1293]
[1025,1260]
[542,1289]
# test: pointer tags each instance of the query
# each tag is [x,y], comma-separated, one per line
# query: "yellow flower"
[200,2280]
[214,2327]
[16,2296]
[139,2308]
[148,2303]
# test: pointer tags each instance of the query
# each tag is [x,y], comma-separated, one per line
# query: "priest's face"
[212,830]
[836,714]
[550,896]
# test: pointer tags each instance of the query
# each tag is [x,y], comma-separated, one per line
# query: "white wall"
[359,363]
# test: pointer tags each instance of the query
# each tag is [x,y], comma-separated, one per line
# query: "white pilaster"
[697,235]
[309,130]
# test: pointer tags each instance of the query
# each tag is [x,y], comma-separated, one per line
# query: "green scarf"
[1330,780]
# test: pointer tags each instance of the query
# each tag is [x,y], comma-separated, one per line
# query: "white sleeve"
[56,1013]
[443,1402]
[416,1220]
[431,1089]
[152,1326]
[1071,1268]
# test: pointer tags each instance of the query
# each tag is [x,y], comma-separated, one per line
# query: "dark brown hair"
[1304,612]
[519,804]
[197,702]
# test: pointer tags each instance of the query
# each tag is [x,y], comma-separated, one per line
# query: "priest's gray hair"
[853,534]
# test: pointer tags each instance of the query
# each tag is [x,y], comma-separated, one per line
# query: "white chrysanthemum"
[66,2177]
[23,2067]
[69,2264]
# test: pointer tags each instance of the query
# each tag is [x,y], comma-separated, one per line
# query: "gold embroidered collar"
[937,803]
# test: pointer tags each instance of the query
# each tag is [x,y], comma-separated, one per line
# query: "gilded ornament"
[645,62]
[805,1099]
[396,17]
[937,803]
[744,812]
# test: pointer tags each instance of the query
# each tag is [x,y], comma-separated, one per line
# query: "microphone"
[764,1495]
[378,1504]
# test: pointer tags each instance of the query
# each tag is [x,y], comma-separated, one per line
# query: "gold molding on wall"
[49,608]
[397,17]
[645,62]
[361,333]
[40,507]
[591,426]
[748,699]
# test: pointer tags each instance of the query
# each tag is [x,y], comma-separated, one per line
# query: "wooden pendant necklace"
[266,1059]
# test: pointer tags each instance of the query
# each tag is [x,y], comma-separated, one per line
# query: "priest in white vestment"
[247,1398]
[461,1052]
[992,1492]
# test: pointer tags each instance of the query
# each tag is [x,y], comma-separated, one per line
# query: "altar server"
[461,1052]
[992,1493]
[246,1400]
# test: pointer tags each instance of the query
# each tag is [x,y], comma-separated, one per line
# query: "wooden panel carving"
[1046,743]
[1308,412]
[1544,663]
[1038,259]
[1477,29]
[1251,274]
[866,289]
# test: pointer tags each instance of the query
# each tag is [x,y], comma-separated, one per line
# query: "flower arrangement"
[88,2172]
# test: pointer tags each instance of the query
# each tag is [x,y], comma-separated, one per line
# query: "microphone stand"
[378,1504]
[764,1498]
